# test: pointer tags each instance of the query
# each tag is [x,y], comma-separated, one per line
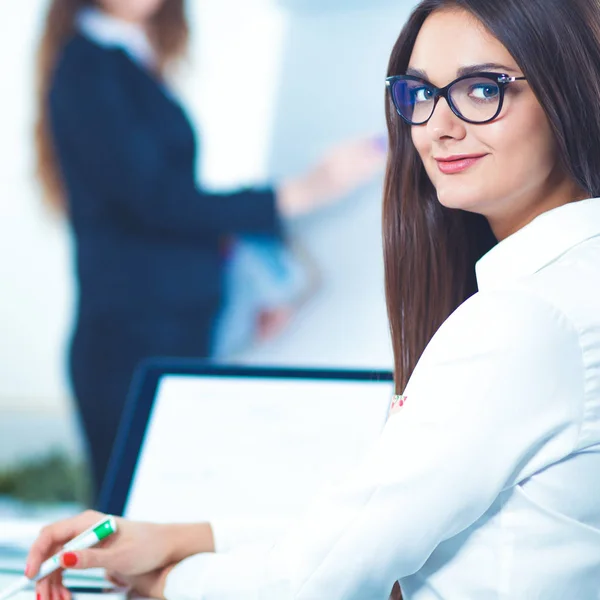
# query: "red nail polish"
[69,559]
[38,596]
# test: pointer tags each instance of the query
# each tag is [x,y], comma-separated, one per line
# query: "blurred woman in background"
[117,153]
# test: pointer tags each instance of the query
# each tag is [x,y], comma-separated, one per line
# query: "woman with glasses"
[486,478]
[117,154]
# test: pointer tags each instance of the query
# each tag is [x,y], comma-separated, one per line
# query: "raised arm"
[103,141]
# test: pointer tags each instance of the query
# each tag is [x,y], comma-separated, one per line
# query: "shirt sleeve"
[231,534]
[109,145]
[496,397]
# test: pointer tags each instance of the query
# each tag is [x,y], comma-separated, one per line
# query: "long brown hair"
[430,251]
[169,34]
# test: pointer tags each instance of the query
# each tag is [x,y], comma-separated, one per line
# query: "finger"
[56,591]
[55,578]
[42,589]
[88,559]
[63,592]
[54,536]
[46,586]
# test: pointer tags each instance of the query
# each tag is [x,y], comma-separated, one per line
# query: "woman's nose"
[444,123]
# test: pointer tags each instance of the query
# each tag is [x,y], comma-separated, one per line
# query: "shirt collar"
[111,32]
[539,243]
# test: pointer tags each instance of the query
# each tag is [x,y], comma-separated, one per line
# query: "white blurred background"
[270,84]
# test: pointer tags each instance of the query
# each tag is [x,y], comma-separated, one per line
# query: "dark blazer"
[148,241]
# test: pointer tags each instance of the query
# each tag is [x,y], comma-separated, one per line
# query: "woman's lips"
[452,166]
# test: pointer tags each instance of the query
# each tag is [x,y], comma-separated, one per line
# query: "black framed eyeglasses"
[477,98]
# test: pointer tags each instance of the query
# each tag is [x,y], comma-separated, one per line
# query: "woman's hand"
[340,171]
[139,554]
[148,585]
[272,321]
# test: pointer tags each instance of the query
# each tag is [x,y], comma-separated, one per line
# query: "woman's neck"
[507,222]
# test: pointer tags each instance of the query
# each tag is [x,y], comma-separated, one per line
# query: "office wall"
[334,61]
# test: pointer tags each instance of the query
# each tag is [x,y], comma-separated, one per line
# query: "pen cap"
[106,528]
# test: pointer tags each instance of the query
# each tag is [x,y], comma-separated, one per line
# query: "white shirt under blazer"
[485,481]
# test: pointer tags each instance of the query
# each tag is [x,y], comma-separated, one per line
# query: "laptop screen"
[250,447]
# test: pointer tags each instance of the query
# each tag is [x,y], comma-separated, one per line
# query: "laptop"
[201,442]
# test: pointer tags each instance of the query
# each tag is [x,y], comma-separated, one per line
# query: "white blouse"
[485,481]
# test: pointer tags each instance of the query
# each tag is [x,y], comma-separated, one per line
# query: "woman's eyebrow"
[416,73]
[483,67]
[468,70]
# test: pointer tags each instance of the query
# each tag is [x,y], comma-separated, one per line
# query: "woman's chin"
[459,199]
